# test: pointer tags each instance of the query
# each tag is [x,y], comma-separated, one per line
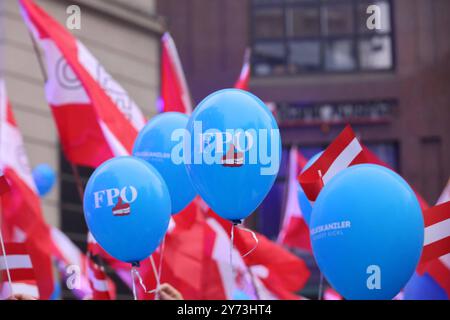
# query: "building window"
[313,36]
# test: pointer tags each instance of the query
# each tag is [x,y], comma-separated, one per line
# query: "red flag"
[437,232]
[95,117]
[294,231]
[439,269]
[103,288]
[16,263]
[21,208]
[344,151]
[68,255]
[182,261]
[267,272]
[174,90]
[244,77]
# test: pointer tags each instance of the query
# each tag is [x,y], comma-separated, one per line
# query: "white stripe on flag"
[116,147]
[19,288]
[343,160]
[445,259]
[100,285]
[16,261]
[437,231]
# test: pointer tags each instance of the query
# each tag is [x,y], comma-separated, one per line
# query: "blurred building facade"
[322,65]
[124,36]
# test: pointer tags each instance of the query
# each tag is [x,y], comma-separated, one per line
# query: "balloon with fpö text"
[127,208]
[155,144]
[235,151]
[367,232]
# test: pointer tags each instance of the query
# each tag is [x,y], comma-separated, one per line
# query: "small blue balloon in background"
[305,205]
[240,295]
[367,232]
[155,145]
[235,149]
[423,288]
[44,177]
[127,208]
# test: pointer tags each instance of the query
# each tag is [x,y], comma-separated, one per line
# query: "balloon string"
[231,254]
[161,258]
[320,286]
[133,271]
[254,238]
[135,274]
[156,274]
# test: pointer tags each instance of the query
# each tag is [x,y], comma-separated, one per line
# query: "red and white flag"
[20,207]
[175,94]
[439,268]
[243,82]
[95,117]
[437,232]
[16,265]
[72,265]
[343,152]
[294,231]
[268,272]
[103,288]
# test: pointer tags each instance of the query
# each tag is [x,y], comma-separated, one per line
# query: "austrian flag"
[95,117]
[437,232]
[15,265]
[343,152]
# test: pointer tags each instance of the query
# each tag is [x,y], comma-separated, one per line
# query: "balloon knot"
[136,264]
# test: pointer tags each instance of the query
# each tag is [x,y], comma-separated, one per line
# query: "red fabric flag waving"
[95,117]
[20,207]
[344,151]
[437,232]
[294,231]
[16,264]
[274,272]
[244,78]
[174,90]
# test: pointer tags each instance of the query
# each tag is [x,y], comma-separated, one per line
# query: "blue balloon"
[127,208]
[367,232]
[423,288]
[303,201]
[155,144]
[240,295]
[235,152]
[44,177]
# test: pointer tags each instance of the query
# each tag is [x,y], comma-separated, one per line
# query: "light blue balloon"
[240,295]
[423,287]
[155,145]
[44,177]
[367,232]
[233,182]
[303,201]
[127,208]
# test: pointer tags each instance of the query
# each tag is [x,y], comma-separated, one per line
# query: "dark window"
[307,36]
